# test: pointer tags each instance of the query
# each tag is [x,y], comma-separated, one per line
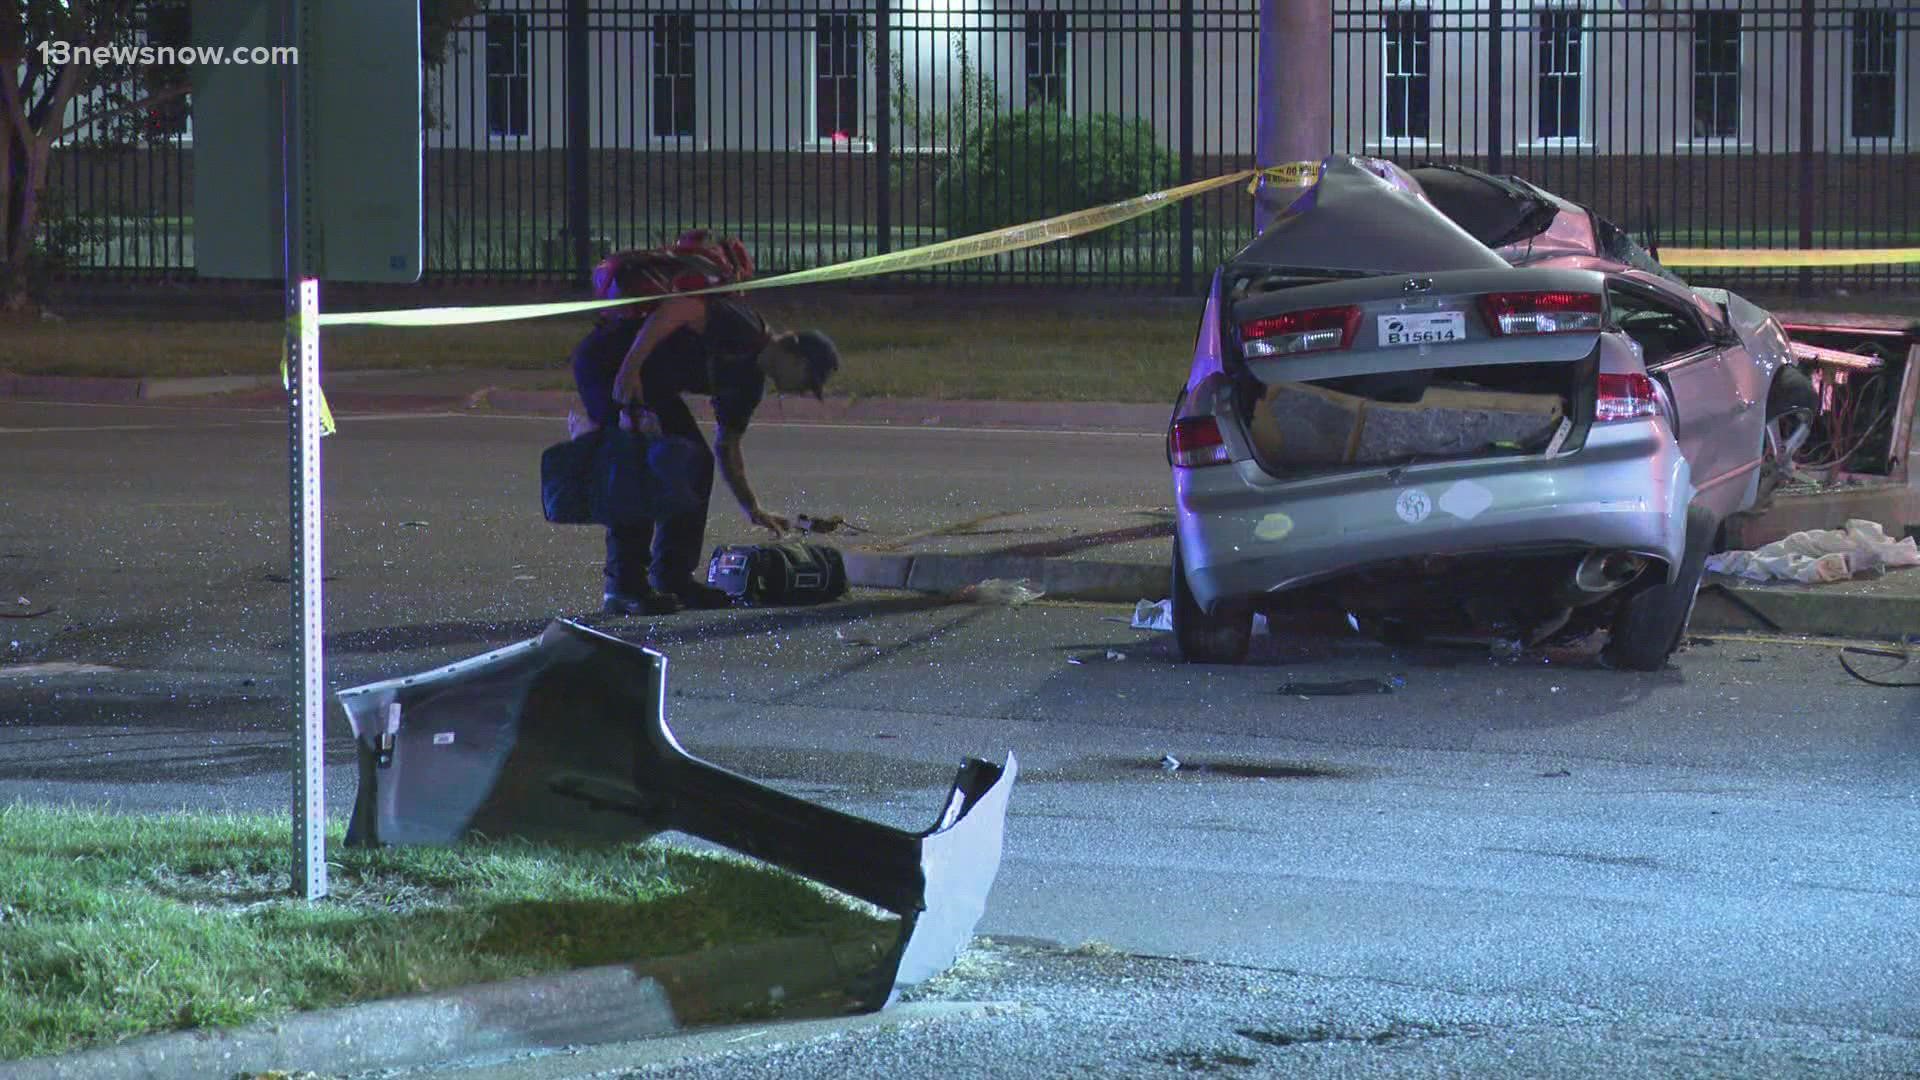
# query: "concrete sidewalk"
[1120,553]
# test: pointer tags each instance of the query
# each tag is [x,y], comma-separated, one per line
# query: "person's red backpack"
[697,260]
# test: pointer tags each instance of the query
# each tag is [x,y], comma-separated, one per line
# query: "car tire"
[1792,392]
[1650,623]
[1220,638]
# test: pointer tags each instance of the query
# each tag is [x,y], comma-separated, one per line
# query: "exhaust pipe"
[565,736]
[1602,572]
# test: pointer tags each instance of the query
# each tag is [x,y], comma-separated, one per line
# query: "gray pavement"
[1529,868]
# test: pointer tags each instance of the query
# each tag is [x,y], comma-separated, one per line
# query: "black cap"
[822,358]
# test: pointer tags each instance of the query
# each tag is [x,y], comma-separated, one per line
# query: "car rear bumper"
[1243,533]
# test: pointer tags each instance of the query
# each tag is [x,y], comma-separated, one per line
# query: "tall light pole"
[1294,93]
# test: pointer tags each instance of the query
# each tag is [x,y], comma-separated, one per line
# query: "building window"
[1562,57]
[1409,34]
[672,76]
[1875,54]
[1046,59]
[836,77]
[1716,74]
[509,86]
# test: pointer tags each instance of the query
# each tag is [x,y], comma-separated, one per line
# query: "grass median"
[118,926]
[1077,348]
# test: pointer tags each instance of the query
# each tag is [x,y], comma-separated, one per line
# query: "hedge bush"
[1040,162]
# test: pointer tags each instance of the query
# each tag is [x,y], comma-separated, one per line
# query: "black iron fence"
[827,130]
[1783,124]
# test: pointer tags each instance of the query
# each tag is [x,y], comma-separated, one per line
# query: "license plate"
[1424,328]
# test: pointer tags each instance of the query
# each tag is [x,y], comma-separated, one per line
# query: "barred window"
[509,45]
[1046,58]
[1409,37]
[1874,75]
[1716,74]
[672,76]
[1562,64]
[836,77]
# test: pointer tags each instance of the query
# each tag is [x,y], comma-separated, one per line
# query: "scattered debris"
[1904,656]
[1153,615]
[1116,654]
[1169,762]
[1555,774]
[854,639]
[1817,556]
[49,609]
[814,523]
[1002,592]
[1506,648]
[1345,687]
[1075,660]
[413,524]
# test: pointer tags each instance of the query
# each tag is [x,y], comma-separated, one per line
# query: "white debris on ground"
[1002,592]
[1158,615]
[1818,556]
[1152,615]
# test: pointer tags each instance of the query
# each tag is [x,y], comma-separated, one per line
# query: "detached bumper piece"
[565,737]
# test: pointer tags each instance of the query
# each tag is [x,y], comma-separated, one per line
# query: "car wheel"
[1650,623]
[1791,404]
[1220,638]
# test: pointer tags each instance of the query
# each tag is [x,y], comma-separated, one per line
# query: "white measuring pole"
[303,359]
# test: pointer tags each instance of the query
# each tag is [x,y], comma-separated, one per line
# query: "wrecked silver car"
[1435,397]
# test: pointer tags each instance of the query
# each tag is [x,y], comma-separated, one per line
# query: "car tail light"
[1314,330]
[1542,312]
[1196,441]
[1625,397]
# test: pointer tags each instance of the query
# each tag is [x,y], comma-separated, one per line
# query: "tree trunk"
[29,152]
[13,171]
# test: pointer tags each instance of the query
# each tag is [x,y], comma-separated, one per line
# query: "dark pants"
[665,555]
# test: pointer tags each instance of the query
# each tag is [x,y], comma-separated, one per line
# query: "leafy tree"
[36,92]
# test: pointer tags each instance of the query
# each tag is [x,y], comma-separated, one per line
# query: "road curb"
[611,1003]
[1734,608]
[70,388]
[1722,607]
[1062,579]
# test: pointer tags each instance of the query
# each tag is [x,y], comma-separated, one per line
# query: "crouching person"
[636,367]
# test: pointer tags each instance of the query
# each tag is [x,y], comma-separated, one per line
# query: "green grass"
[119,926]
[936,344]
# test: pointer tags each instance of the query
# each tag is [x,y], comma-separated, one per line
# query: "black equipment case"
[793,572]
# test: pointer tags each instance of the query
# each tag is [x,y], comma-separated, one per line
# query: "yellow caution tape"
[979,245]
[1697,257]
[286,380]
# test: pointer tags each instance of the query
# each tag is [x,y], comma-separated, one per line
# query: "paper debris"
[1817,556]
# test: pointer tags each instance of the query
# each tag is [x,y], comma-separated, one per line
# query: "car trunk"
[1389,370]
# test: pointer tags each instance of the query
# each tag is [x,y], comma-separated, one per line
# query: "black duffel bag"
[616,478]
[792,572]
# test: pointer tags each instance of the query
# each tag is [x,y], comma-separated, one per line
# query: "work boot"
[651,602]
[693,594]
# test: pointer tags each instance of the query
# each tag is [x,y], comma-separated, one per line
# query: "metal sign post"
[303,367]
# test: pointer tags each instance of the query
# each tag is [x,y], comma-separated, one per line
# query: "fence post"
[1186,145]
[1496,86]
[1806,137]
[579,135]
[883,120]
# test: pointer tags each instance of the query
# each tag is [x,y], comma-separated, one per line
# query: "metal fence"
[1787,124]
[827,130]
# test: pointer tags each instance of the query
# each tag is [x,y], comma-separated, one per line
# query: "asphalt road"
[1524,868]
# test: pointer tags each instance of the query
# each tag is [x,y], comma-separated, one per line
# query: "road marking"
[344,418]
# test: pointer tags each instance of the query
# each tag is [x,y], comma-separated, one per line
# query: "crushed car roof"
[1367,216]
